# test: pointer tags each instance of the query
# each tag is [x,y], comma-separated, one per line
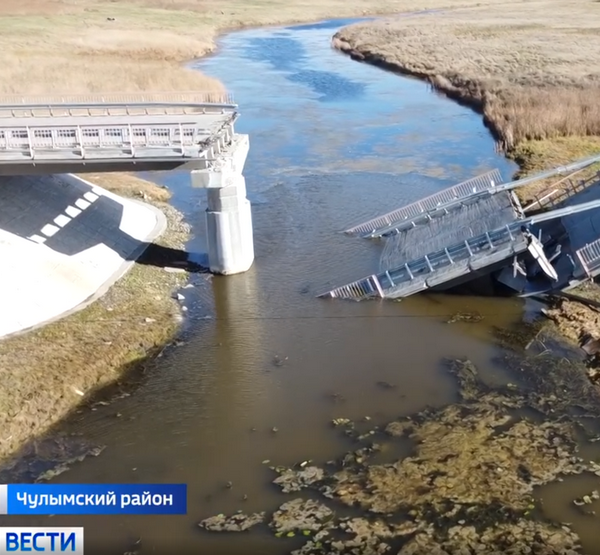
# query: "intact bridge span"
[141,132]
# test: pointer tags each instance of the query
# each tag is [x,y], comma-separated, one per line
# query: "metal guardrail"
[191,97]
[559,196]
[465,189]
[81,141]
[115,105]
[589,256]
[427,265]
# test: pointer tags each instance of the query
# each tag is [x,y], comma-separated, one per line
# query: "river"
[333,142]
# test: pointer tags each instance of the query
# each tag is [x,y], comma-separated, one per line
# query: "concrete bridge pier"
[228,214]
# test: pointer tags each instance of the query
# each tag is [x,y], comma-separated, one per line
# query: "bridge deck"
[438,267]
[465,221]
[161,130]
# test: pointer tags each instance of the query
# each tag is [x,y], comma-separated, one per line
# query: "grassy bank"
[132,45]
[530,69]
[47,372]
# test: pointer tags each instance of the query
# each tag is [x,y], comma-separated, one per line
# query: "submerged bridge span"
[141,132]
[478,227]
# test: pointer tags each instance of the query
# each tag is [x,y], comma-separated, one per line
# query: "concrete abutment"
[228,214]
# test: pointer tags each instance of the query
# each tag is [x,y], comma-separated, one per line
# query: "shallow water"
[333,142]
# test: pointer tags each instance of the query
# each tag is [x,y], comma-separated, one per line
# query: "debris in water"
[341,421]
[238,522]
[470,317]
[279,361]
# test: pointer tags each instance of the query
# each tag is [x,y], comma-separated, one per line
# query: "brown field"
[80,46]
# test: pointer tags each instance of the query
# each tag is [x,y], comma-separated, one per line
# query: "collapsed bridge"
[478,228]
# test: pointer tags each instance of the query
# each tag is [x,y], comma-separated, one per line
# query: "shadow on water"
[260,351]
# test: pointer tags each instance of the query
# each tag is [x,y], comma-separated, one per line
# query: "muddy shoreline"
[105,344]
[468,484]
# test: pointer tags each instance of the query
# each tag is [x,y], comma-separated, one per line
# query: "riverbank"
[124,46]
[530,70]
[46,373]
[118,46]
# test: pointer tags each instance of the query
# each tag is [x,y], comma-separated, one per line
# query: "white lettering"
[167,499]
[80,499]
[111,498]
[125,500]
[68,499]
[146,498]
[135,499]
[54,499]
[32,501]
[44,499]
[22,497]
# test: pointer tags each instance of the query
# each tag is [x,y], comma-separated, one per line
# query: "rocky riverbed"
[468,485]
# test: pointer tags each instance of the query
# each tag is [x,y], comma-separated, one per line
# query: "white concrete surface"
[63,243]
[229,214]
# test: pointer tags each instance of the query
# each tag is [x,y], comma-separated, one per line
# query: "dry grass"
[77,46]
[531,67]
[42,372]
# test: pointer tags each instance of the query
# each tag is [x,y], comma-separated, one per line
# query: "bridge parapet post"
[228,214]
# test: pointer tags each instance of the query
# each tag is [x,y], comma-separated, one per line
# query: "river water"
[333,142]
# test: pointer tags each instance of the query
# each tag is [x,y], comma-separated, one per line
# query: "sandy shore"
[530,69]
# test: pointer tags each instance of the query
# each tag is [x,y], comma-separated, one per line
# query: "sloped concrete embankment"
[63,243]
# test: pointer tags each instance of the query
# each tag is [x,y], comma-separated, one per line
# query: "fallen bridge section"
[408,215]
[470,218]
[436,268]
[478,255]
